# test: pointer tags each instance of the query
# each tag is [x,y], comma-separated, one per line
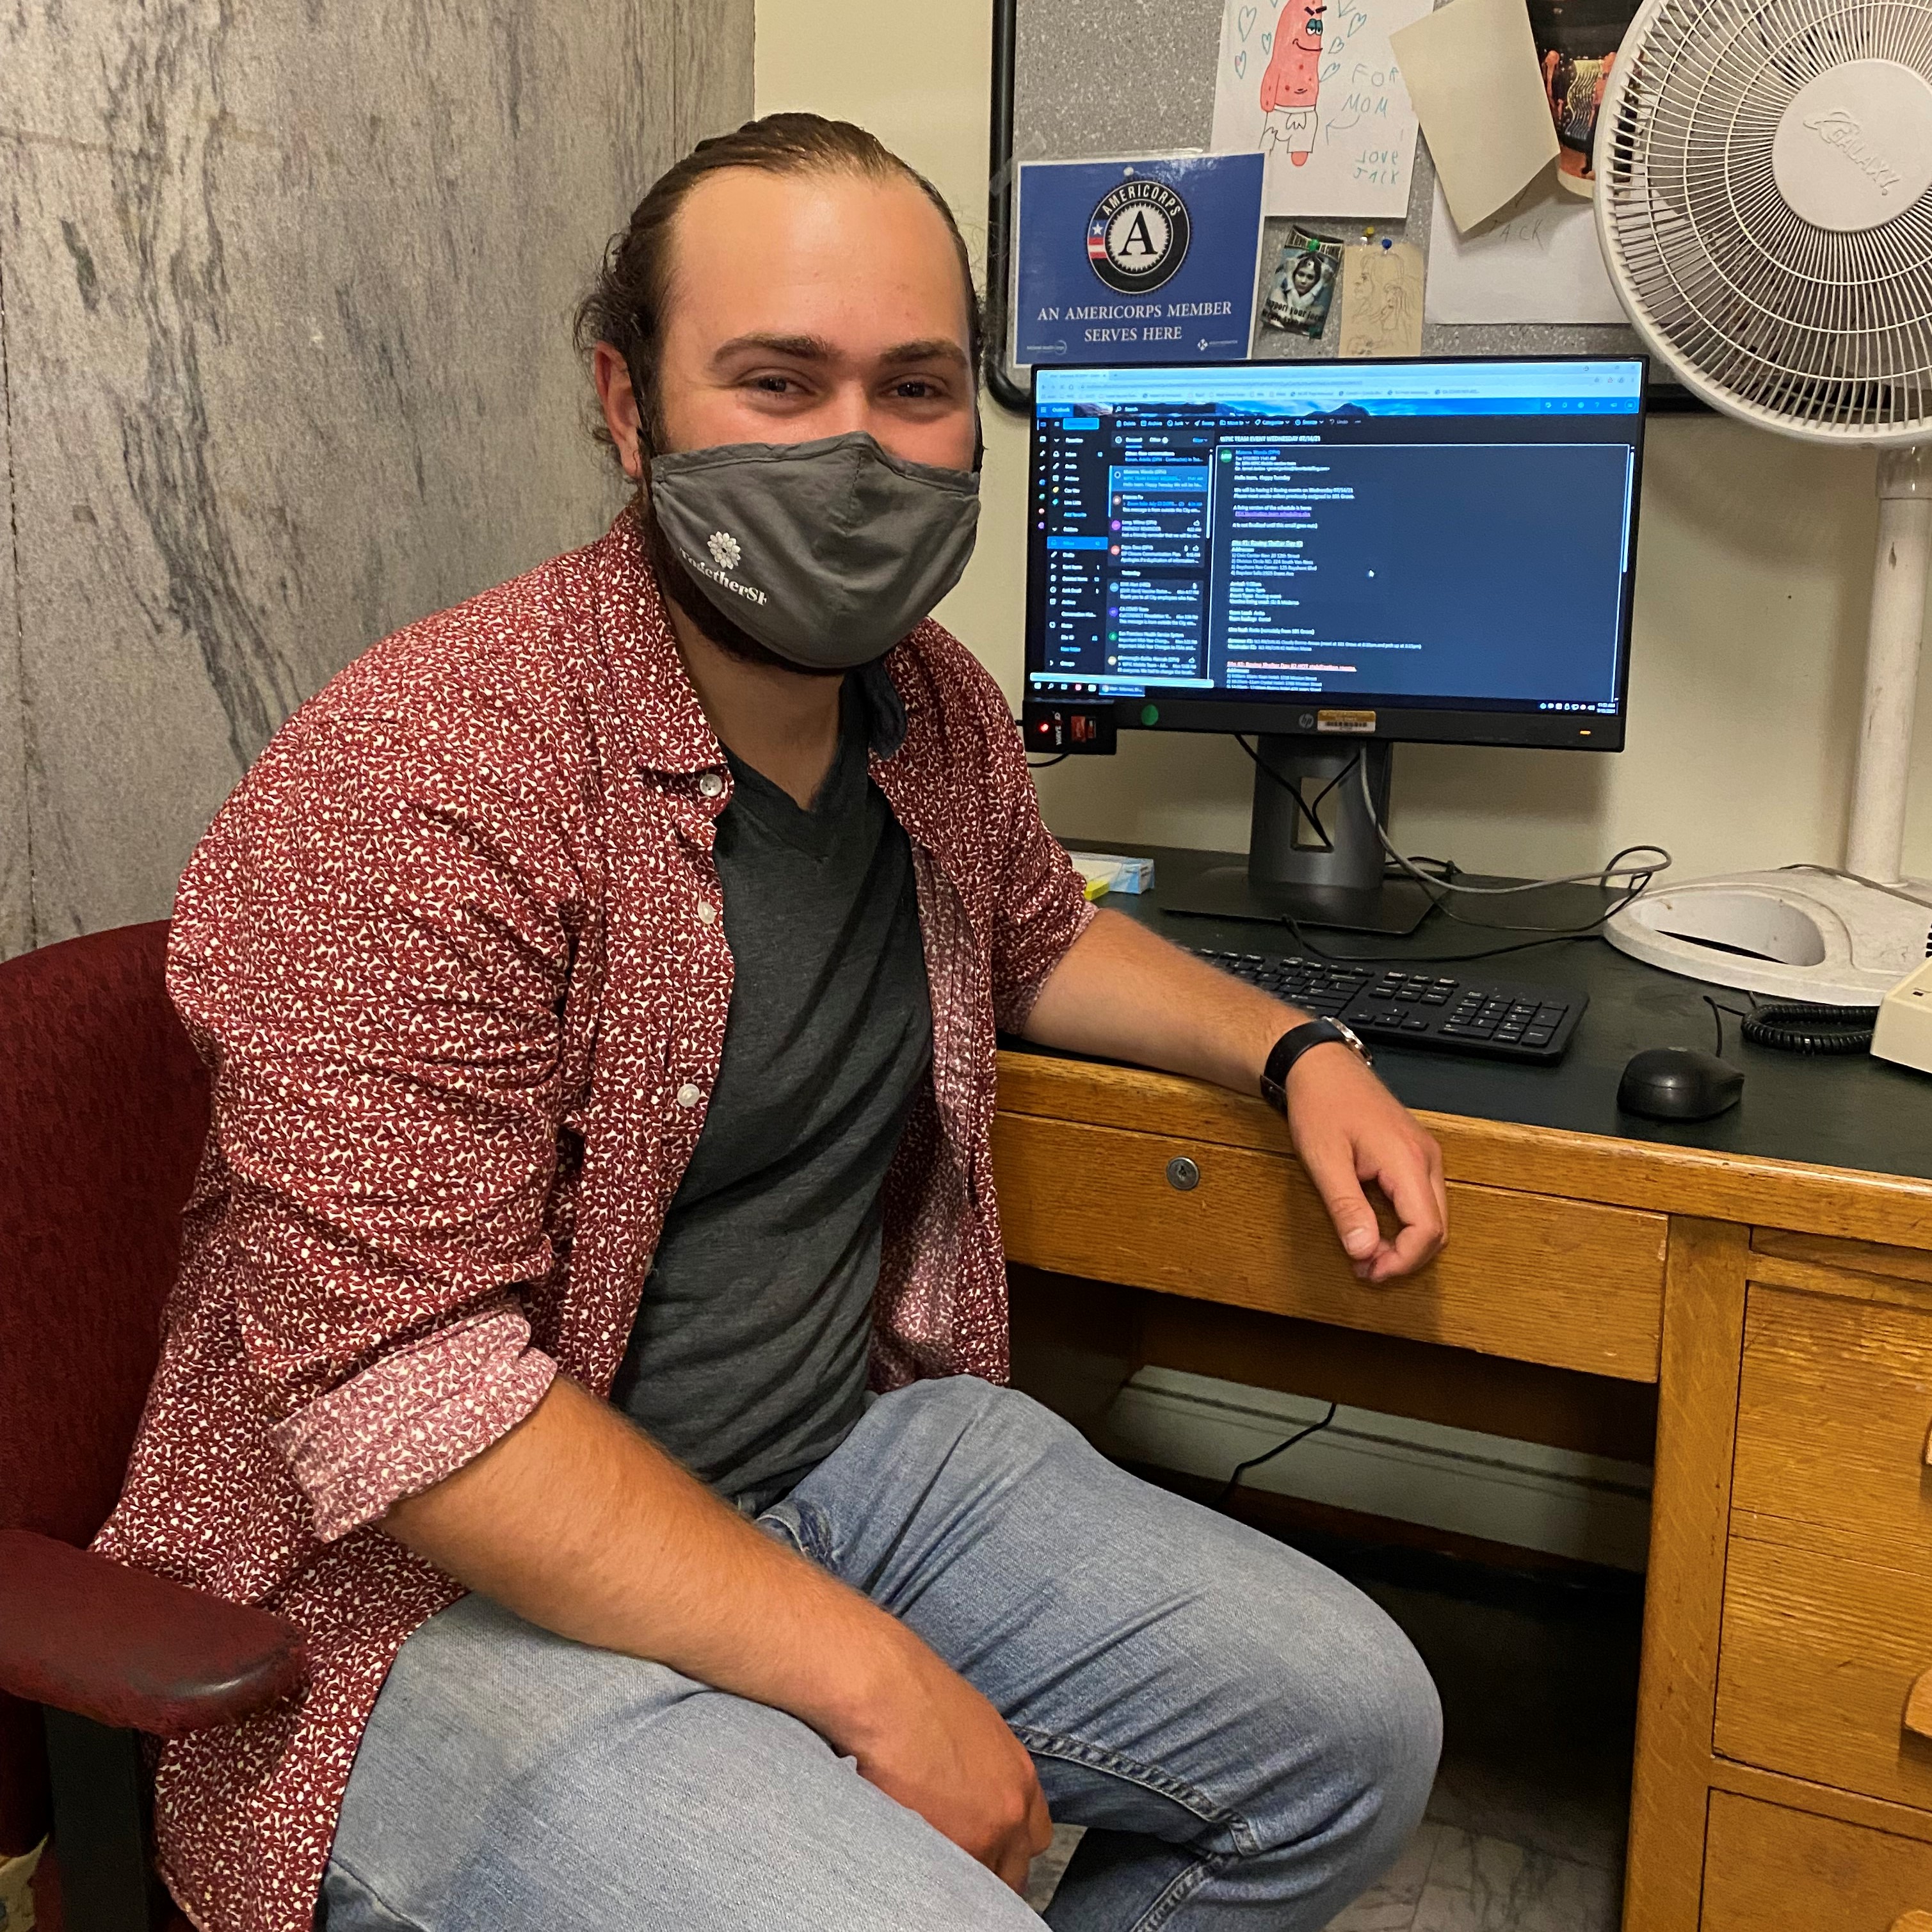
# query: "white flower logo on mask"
[724,548]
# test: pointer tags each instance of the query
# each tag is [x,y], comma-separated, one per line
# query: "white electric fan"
[1762,174]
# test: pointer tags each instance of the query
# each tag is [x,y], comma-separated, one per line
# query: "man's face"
[810,305]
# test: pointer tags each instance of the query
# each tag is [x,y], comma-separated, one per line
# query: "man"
[600,981]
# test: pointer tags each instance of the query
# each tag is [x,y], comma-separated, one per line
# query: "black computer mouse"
[1678,1083]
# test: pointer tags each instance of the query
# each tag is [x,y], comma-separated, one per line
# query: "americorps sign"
[1151,260]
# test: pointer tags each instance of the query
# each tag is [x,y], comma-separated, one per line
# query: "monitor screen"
[1428,550]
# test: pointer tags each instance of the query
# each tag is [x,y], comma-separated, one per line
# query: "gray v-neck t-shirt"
[748,1357]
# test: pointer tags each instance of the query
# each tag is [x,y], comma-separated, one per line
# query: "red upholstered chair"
[103,1106]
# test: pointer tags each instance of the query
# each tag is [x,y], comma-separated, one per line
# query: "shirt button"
[688,1096]
[707,912]
[710,785]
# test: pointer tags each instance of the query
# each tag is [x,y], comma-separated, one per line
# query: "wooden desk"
[1782,1308]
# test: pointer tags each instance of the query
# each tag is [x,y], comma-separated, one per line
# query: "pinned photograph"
[1303,288]
[1576,43]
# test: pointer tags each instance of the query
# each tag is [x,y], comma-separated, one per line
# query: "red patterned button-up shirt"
[453,954]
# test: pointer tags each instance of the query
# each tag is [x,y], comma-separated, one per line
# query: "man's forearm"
[579,1523]
[1122,992]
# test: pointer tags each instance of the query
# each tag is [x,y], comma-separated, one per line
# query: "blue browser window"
[1448,534]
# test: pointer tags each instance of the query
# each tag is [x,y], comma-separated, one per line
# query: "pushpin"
[1388,242]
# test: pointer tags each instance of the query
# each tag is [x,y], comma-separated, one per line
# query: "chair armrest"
[129,1649]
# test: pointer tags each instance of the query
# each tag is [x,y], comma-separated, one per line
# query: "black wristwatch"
[1292,1045]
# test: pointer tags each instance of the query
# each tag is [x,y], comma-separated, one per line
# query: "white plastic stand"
[1803,934]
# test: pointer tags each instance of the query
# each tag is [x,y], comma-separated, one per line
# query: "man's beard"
[681,589]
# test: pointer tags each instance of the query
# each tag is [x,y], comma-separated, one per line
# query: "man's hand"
[928,1739]
[1121,991]
[1349,1129]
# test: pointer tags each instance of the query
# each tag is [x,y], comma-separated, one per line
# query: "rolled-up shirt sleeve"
[371,949]
[413,1417]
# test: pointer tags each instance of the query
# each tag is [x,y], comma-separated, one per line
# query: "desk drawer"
[1767,1869]
[1833,1412]
[1827,1593]
[1541,1278]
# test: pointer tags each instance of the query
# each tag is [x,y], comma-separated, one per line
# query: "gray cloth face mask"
[828,552]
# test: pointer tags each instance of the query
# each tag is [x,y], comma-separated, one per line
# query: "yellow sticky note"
[1096,875]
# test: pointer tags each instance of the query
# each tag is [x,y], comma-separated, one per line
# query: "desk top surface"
[1850,1112]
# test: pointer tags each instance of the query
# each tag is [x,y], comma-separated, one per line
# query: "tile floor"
[1525,1832]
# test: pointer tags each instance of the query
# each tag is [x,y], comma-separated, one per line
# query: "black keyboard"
[1494,1019]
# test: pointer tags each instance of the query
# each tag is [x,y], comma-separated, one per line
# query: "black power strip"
[1071,731]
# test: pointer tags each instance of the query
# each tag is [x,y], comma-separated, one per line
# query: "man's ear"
[618,396]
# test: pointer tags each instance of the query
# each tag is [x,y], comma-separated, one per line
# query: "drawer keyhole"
[1183,1174]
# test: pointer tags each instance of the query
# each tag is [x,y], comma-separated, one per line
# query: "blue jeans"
[1248,1739]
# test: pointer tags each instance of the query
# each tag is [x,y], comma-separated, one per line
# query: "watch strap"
[1291,1046]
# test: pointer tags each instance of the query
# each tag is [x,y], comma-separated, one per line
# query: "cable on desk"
[1641,875]
[1718,1010]
[1268,1456]
[1637,891]
[1047,764]
[1591,931]
[1442,882]
[1797,1026]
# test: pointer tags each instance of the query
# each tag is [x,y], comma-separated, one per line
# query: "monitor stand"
[1313,856]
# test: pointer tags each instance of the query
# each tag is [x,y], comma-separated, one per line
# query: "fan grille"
[1827,333]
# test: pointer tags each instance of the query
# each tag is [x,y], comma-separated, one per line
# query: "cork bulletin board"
[1075,80]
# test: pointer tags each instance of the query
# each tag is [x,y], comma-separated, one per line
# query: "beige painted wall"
[1754,562]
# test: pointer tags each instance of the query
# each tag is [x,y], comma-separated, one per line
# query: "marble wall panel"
[711,55]
[288,301]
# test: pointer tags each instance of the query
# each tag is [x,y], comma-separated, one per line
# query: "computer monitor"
[1335,556]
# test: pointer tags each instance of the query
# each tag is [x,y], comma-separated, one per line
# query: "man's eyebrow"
[816,348]
[933,348]
[800,348]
